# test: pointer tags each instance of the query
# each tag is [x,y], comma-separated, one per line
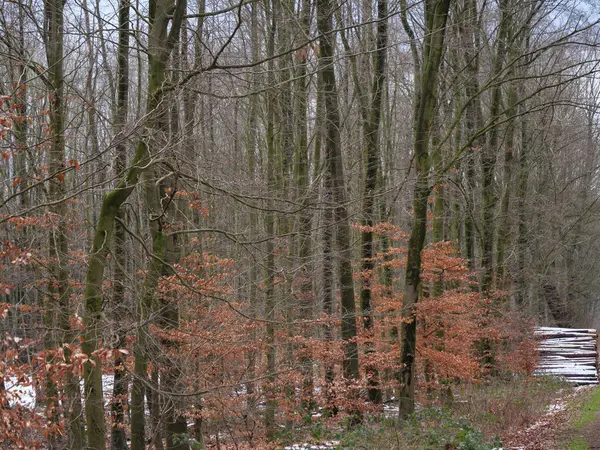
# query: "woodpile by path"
[569,353]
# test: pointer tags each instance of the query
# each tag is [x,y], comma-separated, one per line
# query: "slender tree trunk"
[328,288]
[190,106]
[171,379]
[284,164]
[59,290]
[436,14]
[270,230]
[118,438]
[488,156]
[372,153]
[302,184]
[20,126]
[473,118]
[521,194]
[251,149]
[504,223]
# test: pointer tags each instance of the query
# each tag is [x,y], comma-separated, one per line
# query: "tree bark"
[488,156]
[372,156]
[59,291]
[270,230]
[160,45]
[120,384]
[436,14]
[473,118]
[336,172]
[302,184]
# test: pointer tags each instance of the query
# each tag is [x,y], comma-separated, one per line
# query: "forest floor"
[518,414]
[571,423]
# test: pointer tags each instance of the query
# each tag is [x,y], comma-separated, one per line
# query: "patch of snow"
[19,393]
[23,394]
[307,446]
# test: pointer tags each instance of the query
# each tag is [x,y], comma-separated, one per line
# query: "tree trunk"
[336,171]
[372,153]
[160,46]
[59,291]
[120,388]
[436,14]
[488,156]
[302,184]
[270,230]
[473,118]
[251,149]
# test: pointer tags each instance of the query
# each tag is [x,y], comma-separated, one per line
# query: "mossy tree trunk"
[469,31]
[336,172]
[269,221]
[489,151]
[59,292]
[119,309]
[436,14]
[372,161]
[302,185]
[161,42]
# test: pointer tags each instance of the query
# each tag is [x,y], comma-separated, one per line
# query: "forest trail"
[591,433]
[584,432]
[572,423]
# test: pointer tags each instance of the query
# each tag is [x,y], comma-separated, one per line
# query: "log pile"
[569,353]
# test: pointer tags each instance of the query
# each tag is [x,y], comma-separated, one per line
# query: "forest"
[249,223]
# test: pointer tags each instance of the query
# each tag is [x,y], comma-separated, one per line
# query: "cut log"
[568,353]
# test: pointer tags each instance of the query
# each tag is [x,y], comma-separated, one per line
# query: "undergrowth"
[479,417]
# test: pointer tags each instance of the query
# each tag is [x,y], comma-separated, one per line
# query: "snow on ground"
[306,446]
[19,393]
[23,393]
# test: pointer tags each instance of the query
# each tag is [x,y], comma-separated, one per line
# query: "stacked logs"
[568,353]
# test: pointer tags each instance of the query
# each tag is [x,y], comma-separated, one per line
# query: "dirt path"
[591,433]
[589,430]
[568,425]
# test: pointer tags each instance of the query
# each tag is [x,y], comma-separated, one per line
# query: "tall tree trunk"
[251,149]
[523,177]
[58,289]
[284,158]
[336,171]
[302,184]
[20,125]
[372,156]
[328,288]
[161,42]
[270,229]
[173,372]
[436,14]
[504,223]
[118,438]
[488,156]
[469,32]
[522,184]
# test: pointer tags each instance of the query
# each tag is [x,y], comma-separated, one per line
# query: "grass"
[590,410]
[578,444]
[588,413]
